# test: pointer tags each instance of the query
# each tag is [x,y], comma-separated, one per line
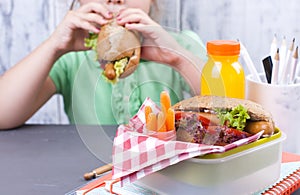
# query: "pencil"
[282,56]
[293,66]
[249,63]
[275,68]
[287,64]
[273,47]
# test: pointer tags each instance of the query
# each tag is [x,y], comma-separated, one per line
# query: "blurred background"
[25,24]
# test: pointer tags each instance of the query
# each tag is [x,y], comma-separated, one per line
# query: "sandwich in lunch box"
[216,120]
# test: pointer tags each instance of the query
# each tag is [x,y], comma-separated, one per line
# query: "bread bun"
[209,102]
[116,42]
[259,118]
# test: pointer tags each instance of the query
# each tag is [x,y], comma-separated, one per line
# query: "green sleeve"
[59,73]
[63,73]
[191,42]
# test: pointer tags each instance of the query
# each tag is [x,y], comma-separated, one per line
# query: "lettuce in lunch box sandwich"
[117,48]
[215,120]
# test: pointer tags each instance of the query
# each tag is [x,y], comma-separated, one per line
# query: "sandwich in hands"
[215,120]
[118,50]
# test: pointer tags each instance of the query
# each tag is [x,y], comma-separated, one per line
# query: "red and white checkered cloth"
[136,155]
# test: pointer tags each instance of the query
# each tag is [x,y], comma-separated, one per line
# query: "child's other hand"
[70,33]
[158,45]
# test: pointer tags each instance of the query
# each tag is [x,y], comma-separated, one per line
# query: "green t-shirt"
[89,99]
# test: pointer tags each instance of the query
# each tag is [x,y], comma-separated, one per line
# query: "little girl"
[62,64]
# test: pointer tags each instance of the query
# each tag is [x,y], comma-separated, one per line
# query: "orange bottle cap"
[223,48]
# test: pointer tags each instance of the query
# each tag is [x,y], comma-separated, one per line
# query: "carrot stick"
[165,101]
[148,110]
[152,122]
[170,121]
[161,119]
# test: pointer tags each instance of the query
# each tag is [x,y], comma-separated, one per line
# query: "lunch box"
[243,170]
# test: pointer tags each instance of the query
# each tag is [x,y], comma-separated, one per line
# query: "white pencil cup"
[283,101]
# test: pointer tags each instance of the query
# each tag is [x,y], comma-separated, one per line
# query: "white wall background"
[25,24]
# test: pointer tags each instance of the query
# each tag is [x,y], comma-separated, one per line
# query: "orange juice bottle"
[223,75]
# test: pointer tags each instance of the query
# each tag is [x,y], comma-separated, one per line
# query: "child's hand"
[70,33]
[158,44]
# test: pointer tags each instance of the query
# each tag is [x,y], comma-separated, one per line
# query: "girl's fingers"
[129,11]
[93,18]
[87,21]
[87,26]
[134,16]
[152,32]
[96,8]
[146,30]
[76,21]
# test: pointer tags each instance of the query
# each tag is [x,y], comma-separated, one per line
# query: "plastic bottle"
[223,75]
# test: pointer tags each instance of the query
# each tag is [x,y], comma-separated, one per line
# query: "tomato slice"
[204,120]
[236,132]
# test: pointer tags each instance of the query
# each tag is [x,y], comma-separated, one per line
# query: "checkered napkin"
[136,155]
